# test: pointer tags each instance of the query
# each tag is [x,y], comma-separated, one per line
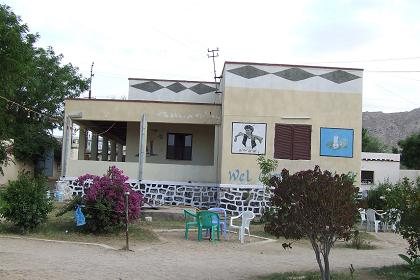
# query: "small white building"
[379,167]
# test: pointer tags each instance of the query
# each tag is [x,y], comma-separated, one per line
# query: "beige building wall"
[202,145]
[131,111]
[270,100]
[12,169]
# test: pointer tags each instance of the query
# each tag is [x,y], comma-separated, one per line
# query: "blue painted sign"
[336,142]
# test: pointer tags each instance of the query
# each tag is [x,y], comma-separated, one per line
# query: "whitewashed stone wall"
[233,198]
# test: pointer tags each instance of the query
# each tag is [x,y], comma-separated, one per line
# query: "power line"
[394,71]
[394,93]
[371,60]
[30,110]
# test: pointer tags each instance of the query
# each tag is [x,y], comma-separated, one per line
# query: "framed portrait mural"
[248,138]
[336,142]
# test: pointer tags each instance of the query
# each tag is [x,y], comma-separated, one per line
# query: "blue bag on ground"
[78,215]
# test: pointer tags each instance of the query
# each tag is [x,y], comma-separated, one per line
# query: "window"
[367,177]
[292,141]
[179,146]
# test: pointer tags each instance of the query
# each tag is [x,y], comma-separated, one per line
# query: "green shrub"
[401,199]
[24,202]
[358,242]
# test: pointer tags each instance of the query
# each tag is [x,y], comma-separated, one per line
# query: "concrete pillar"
[105,144]
[94,147]
[113,150]
[142,145]
[119,152]
[216,151]
[82,144]
[67,131]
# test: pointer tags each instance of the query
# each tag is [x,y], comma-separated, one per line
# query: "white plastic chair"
[371,219]
[247,217]
[362,216]
[394,219]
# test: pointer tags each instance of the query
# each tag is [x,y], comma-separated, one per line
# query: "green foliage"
[267,166]
[24,202]
[35,78]
[410,156]
[372,144]
[314,204]
[403,196]
[414,266]
[358,242]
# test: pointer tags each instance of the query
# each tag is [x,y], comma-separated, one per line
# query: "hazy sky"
[169,40]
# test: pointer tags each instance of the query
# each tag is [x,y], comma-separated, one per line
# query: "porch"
[180,145]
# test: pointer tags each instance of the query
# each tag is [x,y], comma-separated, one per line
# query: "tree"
[24,202]
[314,204]
[372,144]
[410,155]
[34,84]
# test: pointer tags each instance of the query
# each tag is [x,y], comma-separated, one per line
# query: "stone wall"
[233,198]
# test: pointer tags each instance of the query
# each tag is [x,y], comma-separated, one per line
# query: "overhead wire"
[371,60]
[30,110]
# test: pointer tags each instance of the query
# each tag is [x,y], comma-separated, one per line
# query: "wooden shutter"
[301,142]
[283,141]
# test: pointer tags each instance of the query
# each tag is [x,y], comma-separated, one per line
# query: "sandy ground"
[176,258]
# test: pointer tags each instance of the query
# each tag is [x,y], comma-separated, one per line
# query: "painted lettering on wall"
[239,176]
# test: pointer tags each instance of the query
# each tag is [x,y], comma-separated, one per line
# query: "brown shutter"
[283,141]
[301,142]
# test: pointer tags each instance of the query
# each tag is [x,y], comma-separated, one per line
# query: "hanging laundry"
[78,215]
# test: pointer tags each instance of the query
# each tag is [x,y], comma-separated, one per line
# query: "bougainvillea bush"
[104,201]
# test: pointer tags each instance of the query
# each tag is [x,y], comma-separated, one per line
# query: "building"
[379,168]
[196,143]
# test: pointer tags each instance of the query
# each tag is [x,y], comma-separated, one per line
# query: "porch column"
[94,147]
[104,154]
[216,151]
[142,145]
[119,152]
[82,143]
[67,131]
[113,150]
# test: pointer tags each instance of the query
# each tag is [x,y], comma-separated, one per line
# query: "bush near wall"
[104,201]
[24,202]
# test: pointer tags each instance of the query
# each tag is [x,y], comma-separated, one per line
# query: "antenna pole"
[90,83]
[214,54]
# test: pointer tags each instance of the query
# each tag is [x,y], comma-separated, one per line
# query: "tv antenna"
[214,54]
[90,82]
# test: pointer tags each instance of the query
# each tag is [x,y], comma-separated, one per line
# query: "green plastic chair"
[190,221]
[206,221]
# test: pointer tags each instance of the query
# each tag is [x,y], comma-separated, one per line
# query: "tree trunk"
[318,257]
[326,268]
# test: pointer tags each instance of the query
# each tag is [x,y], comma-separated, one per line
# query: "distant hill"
[392,127]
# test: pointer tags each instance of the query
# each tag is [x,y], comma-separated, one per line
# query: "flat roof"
[292,65]
[140,101]
[165,80]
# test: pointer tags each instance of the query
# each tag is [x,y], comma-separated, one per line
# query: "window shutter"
[302,142]
[283,141]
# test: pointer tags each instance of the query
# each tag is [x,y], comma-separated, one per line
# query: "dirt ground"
[176,258]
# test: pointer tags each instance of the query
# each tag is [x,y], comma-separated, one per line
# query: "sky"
[169,40]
